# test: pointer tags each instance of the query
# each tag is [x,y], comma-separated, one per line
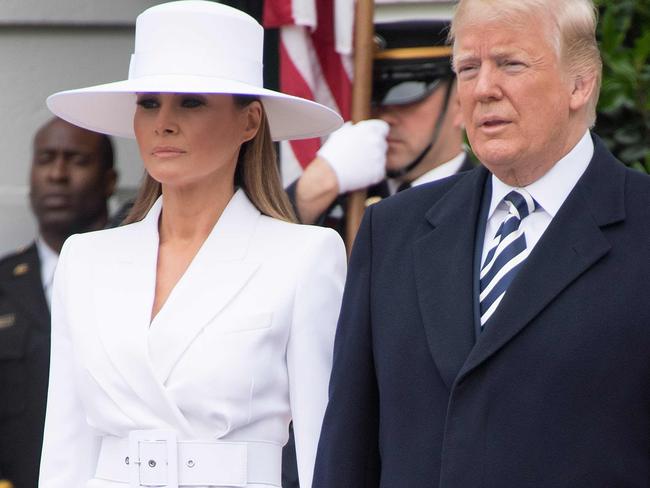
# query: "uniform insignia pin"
[20,270]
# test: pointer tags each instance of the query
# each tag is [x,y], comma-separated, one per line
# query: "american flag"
[315,63]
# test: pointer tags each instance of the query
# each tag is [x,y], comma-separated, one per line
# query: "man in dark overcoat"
[495,329]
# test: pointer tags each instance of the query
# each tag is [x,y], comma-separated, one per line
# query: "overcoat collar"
[144,354]
[444,271]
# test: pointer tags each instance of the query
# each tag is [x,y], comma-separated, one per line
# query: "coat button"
[152,463]
[190,463]
[126,460]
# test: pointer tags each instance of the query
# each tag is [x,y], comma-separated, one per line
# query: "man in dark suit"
[71,178]
[495,329]
[415,138]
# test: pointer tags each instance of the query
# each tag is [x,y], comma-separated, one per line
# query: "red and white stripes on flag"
[315,63]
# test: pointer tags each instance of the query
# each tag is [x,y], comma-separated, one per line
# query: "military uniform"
[411,62]
[24,366]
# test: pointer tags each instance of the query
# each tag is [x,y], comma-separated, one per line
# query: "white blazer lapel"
[123,301]
[217,274]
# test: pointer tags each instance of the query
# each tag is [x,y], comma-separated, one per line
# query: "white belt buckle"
[147,463]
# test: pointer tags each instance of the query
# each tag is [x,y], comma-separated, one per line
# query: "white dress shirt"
[49,259]
[550,192]
[449,168]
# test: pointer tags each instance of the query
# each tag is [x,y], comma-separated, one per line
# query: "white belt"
[157,458]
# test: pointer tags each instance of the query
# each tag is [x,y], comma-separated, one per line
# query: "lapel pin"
[20,270]
[7,321]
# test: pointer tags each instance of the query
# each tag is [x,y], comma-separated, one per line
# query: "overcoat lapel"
[123,300]
[572,244]
[216,275]
[443,268]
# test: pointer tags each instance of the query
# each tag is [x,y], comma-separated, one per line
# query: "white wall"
[47,46]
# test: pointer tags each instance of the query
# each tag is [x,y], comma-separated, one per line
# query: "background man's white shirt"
[449,168]
[49,259]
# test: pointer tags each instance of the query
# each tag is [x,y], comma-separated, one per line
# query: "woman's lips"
[166,152]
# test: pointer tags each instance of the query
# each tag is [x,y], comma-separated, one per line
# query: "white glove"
[357,154]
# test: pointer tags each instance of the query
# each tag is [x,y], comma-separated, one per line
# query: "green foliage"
[624,105]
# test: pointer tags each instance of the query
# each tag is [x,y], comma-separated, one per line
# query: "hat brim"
[110,108]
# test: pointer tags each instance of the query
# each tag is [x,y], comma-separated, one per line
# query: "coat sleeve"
[70,446]
[348,453]
[311,341]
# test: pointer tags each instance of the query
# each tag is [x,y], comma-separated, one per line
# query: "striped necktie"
[507,252]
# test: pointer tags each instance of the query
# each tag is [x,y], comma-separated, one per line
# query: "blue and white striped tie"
[507,252]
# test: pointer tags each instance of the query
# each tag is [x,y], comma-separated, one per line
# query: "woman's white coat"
[242,345]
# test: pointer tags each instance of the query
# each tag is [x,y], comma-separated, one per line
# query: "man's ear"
[253,120]
[581,91]
[111,182]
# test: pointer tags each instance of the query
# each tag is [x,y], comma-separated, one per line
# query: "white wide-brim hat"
[192,46]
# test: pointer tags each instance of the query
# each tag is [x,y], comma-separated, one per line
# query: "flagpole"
[361,90]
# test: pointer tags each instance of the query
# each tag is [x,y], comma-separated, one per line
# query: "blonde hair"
[572,34]
[256,173]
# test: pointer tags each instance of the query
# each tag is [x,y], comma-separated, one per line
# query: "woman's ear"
[253,115]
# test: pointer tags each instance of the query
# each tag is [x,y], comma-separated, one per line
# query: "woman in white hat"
[184,342]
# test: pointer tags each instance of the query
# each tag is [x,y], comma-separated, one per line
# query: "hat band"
[156,63]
